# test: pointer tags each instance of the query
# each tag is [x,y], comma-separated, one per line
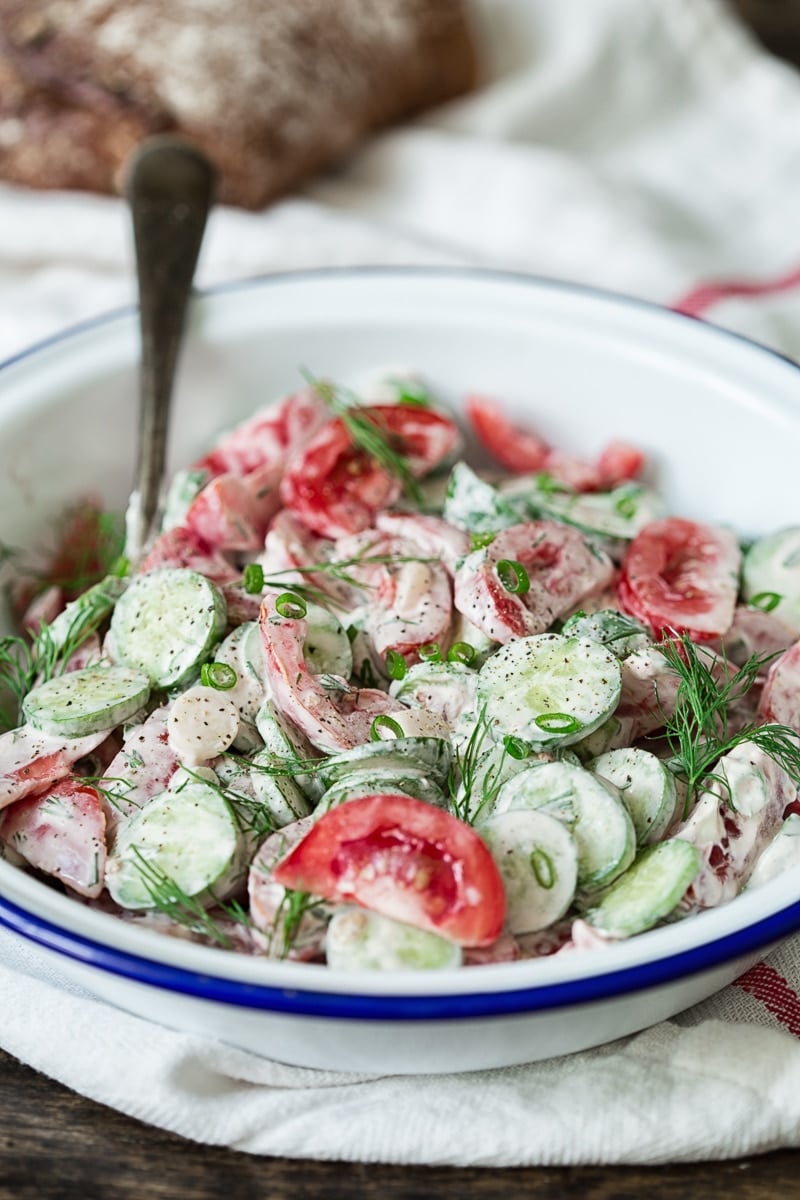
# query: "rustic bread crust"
[272,90]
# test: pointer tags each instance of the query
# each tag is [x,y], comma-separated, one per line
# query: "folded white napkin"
[650,148]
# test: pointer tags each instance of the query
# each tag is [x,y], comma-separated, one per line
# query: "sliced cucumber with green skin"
[84,615]
[410,782]
[617,632]
[184,488]
[434,755]
[84,702]
[590,808]
[189,837]
[359,940]
[476,506]
[771,574]
[647,788]
[549,689]
[286,743]
[649,891]
[326,649]
[242,650]
[279,794]
[446,688]
[620,513]
[167,623]
[478,791]
[538,860]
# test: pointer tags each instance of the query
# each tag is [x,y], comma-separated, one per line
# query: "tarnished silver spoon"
[170,191]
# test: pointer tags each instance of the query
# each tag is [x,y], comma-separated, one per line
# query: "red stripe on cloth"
[705,295]
[768,986]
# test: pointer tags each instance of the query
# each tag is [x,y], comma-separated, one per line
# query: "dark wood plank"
[55,1145]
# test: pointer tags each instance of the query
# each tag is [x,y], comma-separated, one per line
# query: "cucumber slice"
[286,743]
[359,940]
[447,688]
[433,755]
[184,488]
[81,617]
[243,651]
[647,788]
[410,782]
[617,632]
[589,807]
[189,838]
[476,506]
[326,649]
[648,891]
[538,860]
[284,800]
[479,786]
[167,623]
[84,702]
[549,689]
[620,513]
[771,567]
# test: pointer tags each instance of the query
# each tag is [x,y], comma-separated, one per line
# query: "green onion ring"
[218,675]
[513,576]
[291,606]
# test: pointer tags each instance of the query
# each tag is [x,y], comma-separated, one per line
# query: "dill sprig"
[698,733]
[169,898]
[464,770]
[25,663]
[293,907]
[368,433]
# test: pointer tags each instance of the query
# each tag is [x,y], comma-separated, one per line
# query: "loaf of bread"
[272,90]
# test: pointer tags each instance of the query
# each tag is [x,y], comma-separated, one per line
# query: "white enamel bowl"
[720,418]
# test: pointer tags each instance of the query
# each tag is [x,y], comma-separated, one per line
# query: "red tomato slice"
[335,488]
[512,447]
[681,576]
[619,462]
[405,859]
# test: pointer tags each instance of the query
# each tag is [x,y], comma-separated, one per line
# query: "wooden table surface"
[55,1144]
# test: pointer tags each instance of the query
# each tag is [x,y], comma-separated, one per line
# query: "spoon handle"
[170,191]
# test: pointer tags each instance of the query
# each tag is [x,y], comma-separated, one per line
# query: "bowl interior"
[718,417]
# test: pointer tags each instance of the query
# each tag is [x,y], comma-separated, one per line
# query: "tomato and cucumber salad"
[365,703]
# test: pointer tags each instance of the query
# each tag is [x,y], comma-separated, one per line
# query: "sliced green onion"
[120,567]
[515,747]
[410,393]
[384,722]
[479,541]
[766,601]
[430,652]
[543,869]
[513,576]
[395,665]
[218,675]
[547,483]
[253,579]
[558,722]
[291,606]
[461,652]
[626,505]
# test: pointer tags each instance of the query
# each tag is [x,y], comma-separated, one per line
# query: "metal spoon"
[170,192]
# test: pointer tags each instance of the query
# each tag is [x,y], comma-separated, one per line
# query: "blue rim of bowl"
[734,948]
[754,940]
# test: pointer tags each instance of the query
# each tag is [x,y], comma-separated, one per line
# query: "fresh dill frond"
[463,772]
[698,733]
[169,898]
[368,433]
[293,907]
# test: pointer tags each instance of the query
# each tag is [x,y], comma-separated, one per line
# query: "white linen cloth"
[647,147]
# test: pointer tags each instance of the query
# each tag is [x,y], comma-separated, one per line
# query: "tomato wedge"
[683,577]
[405,859]
[512,447]
[336,488]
